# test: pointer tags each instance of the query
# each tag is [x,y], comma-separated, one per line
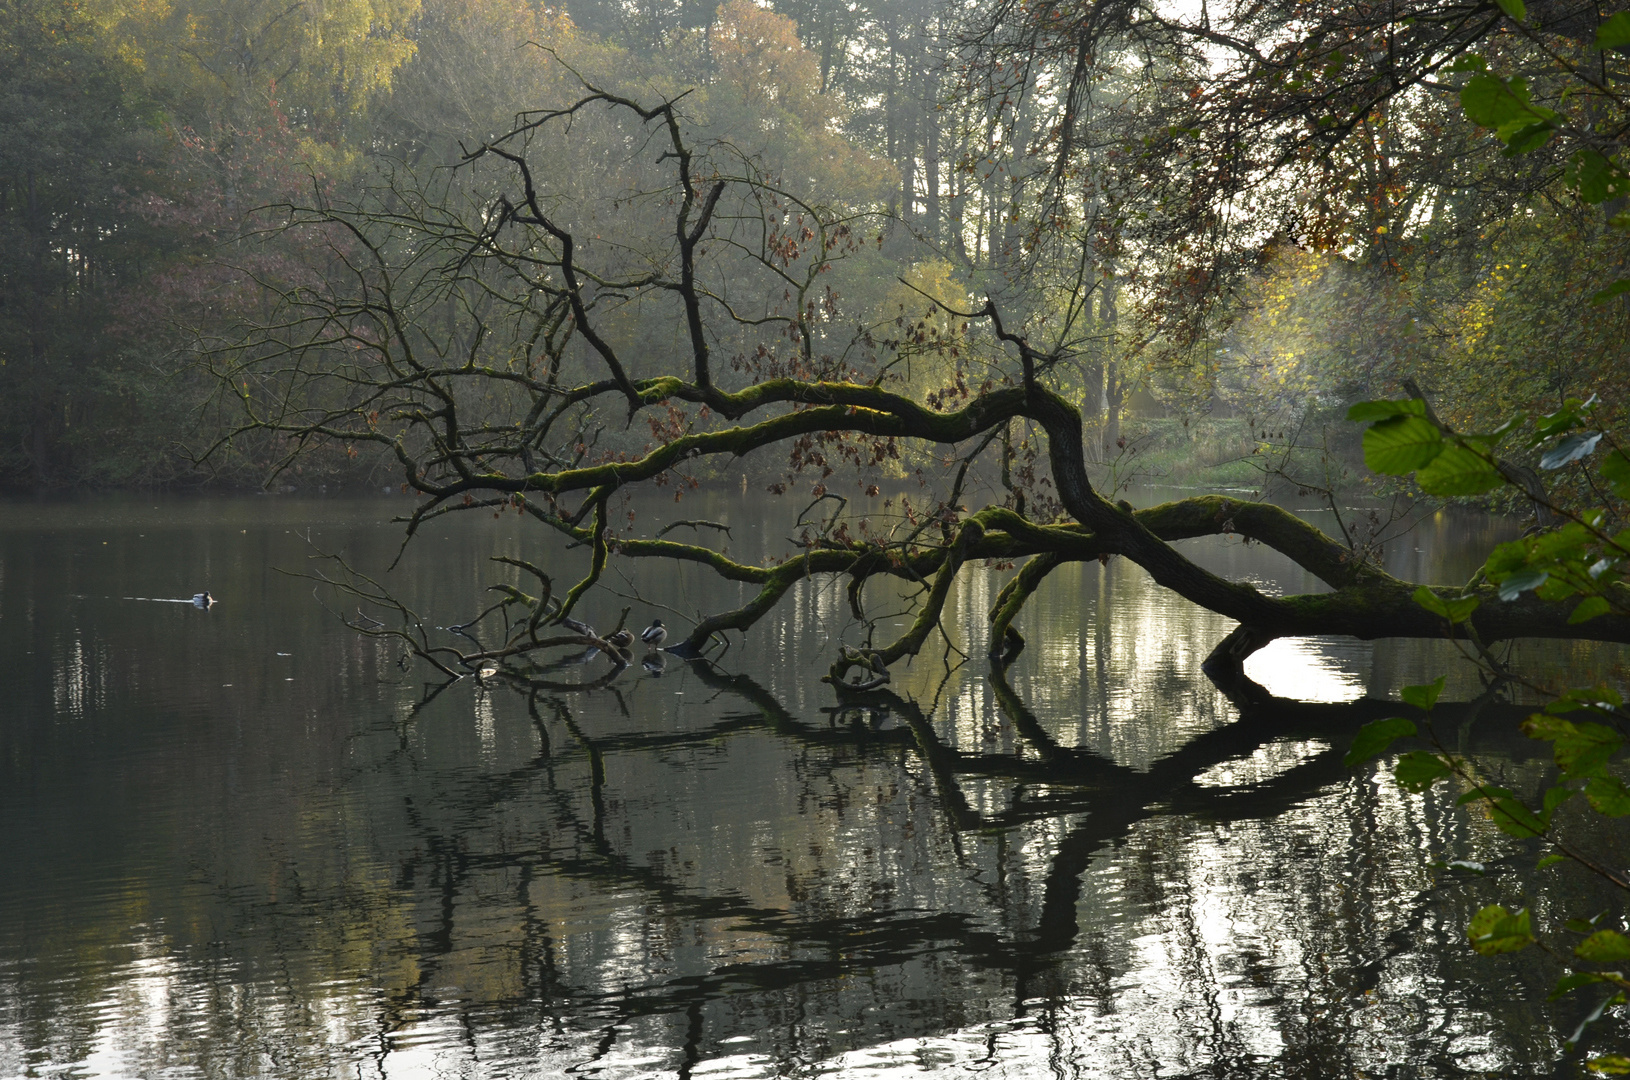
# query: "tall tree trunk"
[827,47]
[41,410]
[1114,386]
[891,123]
[1092,409]
[931,171]
[1114,395]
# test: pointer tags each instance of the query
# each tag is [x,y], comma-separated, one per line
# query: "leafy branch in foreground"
[1581,561]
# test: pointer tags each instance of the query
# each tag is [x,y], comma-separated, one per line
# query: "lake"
[249,841]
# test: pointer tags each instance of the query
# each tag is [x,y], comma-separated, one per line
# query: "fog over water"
[240,842]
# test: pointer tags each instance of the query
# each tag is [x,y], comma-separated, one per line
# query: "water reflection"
[1101,865]
[1305,670]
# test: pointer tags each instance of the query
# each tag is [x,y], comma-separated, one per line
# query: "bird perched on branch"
[622,639]
[655,634]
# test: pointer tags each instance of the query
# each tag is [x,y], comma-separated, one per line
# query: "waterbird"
[655,634]
[622,639]
[203,599]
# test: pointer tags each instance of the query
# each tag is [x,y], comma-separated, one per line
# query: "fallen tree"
[487,342]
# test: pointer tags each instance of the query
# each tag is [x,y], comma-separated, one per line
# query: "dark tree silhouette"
[487,331]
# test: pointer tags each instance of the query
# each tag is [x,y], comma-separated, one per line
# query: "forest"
[956,283]
[1224,227]
[516,258]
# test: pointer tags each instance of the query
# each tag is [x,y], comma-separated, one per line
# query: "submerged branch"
[353,359]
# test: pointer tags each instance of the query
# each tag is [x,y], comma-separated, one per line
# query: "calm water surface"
[242,842]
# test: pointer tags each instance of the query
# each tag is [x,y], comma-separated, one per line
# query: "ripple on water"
[334,876]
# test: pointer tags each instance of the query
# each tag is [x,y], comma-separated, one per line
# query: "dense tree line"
[528,260]
[1251,212]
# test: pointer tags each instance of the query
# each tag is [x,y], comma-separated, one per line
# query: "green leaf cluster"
[1403,440]
[1582,561]
[1581,558]
[1505,106]
[1578,559]
[1494,930]
[1583,750]
[1375,738]
[1510,814]
[1455,609]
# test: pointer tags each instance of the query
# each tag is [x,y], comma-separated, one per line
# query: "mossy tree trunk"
[502,422]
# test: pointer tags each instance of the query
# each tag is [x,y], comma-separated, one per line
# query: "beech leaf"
[1423,697]
[1401,444]
[1374,738]
[1614,32]
[1604,947]
[1418,770]
[1458,470]
[1494,930]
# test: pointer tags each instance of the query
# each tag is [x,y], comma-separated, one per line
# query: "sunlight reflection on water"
[1102,870]
[1298,669]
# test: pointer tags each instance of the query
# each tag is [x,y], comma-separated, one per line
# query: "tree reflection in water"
[689,963]
[1089,867]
